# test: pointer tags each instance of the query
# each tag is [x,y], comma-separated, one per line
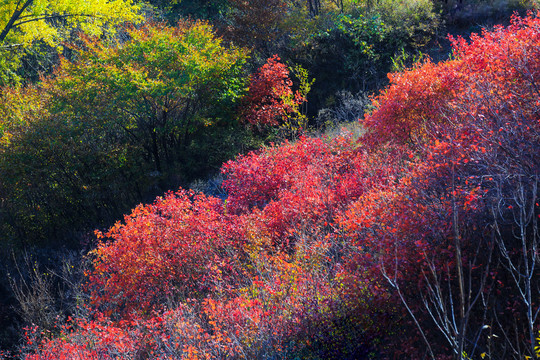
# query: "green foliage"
[351,45]
[58,172]
[17,107]
[351,52]
[114,127]
[296,121]
[404,60]
[413,22]
[164,84]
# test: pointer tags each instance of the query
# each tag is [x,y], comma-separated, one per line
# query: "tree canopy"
[25,22]
[131,111]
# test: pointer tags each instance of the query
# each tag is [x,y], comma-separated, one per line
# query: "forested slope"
[414,238]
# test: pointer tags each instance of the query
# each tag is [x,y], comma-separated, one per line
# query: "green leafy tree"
[23,23]
[114,128]
[157,89]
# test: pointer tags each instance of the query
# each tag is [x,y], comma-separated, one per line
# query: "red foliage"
[472,126]
[258,178]
[297,187]
[491,81]
[82,339]
[183,245]
[414,102]
[270,99]
[463,119]
[177,334]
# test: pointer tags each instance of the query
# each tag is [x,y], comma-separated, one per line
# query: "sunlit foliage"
[23,23]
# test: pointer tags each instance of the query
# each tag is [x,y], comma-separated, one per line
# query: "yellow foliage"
[23,23]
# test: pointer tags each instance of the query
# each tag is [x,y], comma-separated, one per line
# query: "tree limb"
[14,17]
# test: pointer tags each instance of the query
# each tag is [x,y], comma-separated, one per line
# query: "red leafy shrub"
[491,81]
[182,245]
[258,178]
[80,339]
[414,101]
[471,125]
[296,187]
[174,334]
[270,99]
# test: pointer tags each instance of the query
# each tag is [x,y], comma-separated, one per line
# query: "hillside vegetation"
[416,237]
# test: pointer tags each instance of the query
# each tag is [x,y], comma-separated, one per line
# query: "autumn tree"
[165,83]
[23,23]
[271,100]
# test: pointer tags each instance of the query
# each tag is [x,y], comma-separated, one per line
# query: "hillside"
[410,233]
